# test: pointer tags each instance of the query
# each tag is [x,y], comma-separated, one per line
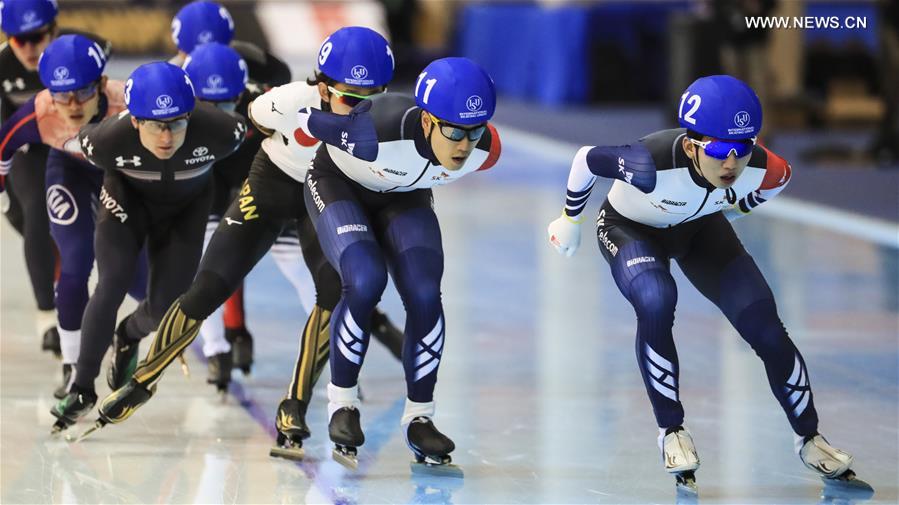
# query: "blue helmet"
[71,62]
[457,90]
[159,90]
[201,22]
[217,71]
[21,16]
[722,107]
[356,56]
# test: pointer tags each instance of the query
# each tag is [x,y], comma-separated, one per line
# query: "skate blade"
[847,487]
[350,461]
[440,470]
[184,368]
[291,453]
[99,423]
[57,428]
[686,483]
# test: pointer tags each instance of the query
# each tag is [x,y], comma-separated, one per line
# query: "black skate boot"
[220,371]
[292,430]
[119,405]
[386,333]
[241,348]
[61,391]
[74,405]
[50,342]
[345,430]
[124,358]
[431,449]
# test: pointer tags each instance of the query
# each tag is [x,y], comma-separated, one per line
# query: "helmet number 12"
[429,85]
[694,100]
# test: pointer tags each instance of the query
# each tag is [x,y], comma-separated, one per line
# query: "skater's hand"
[565,235]
[4,201]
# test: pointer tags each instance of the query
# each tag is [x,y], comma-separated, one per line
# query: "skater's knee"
[422,296]
[760,326]
[654,294]
[327,287]
[364,272]
[207,293]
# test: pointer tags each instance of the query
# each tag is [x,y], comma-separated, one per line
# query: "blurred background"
[602,72]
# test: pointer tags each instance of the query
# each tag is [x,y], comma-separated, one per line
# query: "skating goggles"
[157,127]
[350,99]
[457,133]
[721,149]
[79,95]
[33,38]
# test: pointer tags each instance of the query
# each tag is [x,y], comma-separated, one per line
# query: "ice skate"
[72,407]
[345,430]
[124,358]
[241,348]
[431,449]
[292,430]
[50,342]
[680,458]
[833,466]
[219,366]
[61,391]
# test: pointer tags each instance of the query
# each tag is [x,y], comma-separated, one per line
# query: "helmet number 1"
[429,85]
[93,53]
[694,100]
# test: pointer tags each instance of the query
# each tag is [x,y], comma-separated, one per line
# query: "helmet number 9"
[694,100]
[94,53]
[325,52]
[429,85]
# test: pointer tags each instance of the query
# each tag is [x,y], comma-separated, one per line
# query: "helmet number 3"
[429,85]
[693,100]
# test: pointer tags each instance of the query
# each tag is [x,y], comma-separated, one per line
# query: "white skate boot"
[832,465]
[679,456]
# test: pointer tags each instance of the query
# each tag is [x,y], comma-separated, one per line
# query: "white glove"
[4,202]
[565,235]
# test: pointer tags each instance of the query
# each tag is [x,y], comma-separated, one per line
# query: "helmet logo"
[474,103]
[60,73]
[164,101]
[62,77]
[29,17]
[214,81]
[359,72]
[200,151]
[205,37]
[741,118]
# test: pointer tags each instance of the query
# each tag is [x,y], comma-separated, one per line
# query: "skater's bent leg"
[726,274]
[649,287]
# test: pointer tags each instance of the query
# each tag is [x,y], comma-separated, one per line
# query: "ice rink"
[538,387]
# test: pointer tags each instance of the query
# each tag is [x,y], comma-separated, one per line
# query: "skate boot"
[74,405]
[119,405]
[50,342]
[292,430]
[345,430]
[385,332]
[241,348]
[680,458]
[61,391]
[124,358]
[220,371]
[431,449]
[832,465]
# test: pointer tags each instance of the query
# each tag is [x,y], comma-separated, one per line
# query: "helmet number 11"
[429,85]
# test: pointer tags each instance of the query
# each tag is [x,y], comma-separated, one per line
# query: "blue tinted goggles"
[721,149]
